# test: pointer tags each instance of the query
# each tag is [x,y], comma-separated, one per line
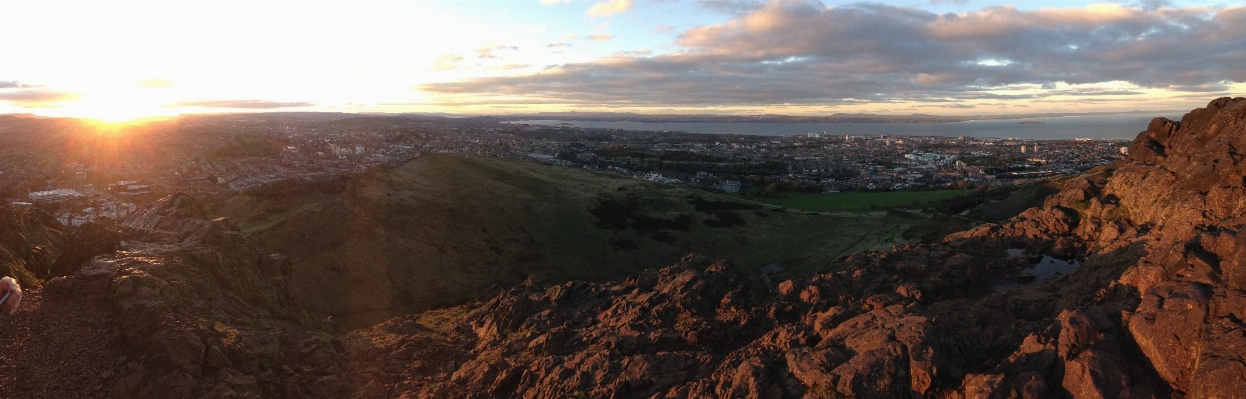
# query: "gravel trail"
[57,346]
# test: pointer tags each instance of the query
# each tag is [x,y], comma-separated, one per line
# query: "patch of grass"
[443,319]
[441,230]
[724,219]
[857,201]
[1116,213]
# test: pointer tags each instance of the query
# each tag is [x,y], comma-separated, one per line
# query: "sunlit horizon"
[119,62]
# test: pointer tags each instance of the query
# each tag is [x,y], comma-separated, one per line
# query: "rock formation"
[29,243]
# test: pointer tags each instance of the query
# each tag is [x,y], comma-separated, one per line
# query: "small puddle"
[1047,269]
[773,268]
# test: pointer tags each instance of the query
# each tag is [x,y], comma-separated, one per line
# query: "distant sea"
[1068,127]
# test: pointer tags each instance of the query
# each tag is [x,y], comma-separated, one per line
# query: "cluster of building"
[818,162]
[221,155]
[74,208]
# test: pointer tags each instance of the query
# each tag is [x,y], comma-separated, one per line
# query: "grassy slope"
[1018,201]
[855,201]
[441,230]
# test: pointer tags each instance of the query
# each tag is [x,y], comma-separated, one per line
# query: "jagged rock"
[1079,330]
[1096,374]
[984,386]
[99,236]
[1030,385]
[1168,328]
[30,242]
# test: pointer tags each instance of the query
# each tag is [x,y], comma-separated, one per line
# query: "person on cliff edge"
[10,296]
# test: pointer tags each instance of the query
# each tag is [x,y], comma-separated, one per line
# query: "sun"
[120,125]
[116,110]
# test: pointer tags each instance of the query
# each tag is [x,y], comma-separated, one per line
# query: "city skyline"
[119,61]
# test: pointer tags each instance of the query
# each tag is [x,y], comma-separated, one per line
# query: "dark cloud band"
[33,96]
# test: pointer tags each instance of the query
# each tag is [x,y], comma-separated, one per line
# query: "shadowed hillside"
[439,230]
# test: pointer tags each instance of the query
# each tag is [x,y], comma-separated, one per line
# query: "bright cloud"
[610,7]
[155,83]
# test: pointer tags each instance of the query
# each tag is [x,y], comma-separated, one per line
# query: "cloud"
[448,61]
[956,2]
[637,53]
[34,96]
[154,83]
[795,52]
[13,84]
[733,7]
[599,37]
[507,67]
[1154,4]
[243,104]
[488,51]
[610,7]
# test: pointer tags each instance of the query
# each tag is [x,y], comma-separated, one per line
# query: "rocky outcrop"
[165,214]
[706,329]
[99,236]
[200,310]
[1185,185]
[30,241]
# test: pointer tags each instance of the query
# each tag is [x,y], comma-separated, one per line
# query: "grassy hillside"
[857,201]
[440,230]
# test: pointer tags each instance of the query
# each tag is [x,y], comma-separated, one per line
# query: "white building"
[57,195]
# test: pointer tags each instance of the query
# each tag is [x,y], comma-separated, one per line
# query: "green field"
[440,230]
[857,201]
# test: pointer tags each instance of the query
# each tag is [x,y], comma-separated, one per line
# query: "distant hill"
[441,229]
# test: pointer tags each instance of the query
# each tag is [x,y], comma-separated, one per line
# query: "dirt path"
[56,346]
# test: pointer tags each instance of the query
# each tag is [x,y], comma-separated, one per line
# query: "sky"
[122,60]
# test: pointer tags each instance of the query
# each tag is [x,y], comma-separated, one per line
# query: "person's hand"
[9,286]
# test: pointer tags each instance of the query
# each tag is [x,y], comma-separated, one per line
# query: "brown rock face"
[1187,182]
